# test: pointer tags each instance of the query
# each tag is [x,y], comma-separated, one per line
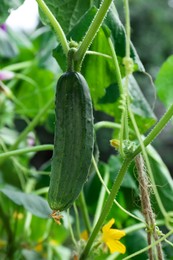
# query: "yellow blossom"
[84,235]
[39,247]
[18,215]
[115,143]
[53,242]
[3,243]
[111,238]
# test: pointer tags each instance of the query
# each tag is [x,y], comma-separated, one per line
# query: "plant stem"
[70,228]
[6,224]
[85,212]
[108,191]
[106,208]
[101,195]
[93,29]
[138,226]
[55,24]
[127,18]
[150,137]
[146,206]
[117,68]
[106,124]
[156,130]
[96,53]
[124,123]
[31,125]
[77,220]
[146,248]
[26,150]
[147,163]
[18,66]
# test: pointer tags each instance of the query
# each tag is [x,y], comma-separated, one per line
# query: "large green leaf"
[31,202]
[164,82]
[8,47]
[114,164]
[99,71]
[143,113]
[163,179]
[136,241]
[67,12]
[76,34]
[34,91]
[118,36]
[7,6]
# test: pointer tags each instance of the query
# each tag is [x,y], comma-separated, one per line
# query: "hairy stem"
[55,24]
[108,191]
[146,206]
[153,244]
[93,29]
[157,129]
[106,208]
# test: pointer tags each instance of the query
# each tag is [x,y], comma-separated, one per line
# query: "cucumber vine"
[75,53]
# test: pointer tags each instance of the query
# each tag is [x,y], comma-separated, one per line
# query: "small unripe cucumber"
[73,141]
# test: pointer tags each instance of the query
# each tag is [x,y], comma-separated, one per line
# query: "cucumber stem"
[55,24]
[106,208]
[85,212]
[26,150]
[93,29]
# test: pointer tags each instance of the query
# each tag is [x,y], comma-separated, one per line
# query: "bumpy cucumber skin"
[73,141]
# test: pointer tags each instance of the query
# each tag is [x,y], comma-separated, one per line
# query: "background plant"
[25,175]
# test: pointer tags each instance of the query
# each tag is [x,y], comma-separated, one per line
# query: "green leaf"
[118,36]
[7,6]
[8,47]
[76,34]
[98,70]
[31,255]
[144,115]
[114,164]
[31,202]
[36,85]
[164,82]
[141,242]
[67,12]
[140,107]
[163,180]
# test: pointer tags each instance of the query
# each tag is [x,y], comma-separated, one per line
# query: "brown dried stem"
[146,207]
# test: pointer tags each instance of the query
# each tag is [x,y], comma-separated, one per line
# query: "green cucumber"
[73,141]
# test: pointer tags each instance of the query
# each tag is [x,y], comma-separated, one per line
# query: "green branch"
[57,27]
[156,130]
[106,208]
[26,150]
[93,29]
[32,124]
[150,246]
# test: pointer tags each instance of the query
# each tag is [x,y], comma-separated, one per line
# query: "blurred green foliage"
[24,179]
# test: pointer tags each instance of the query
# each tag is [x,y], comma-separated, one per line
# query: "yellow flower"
[111,238]
[84,235]
[18,215]
[3,243]
[115,143]
[39,247]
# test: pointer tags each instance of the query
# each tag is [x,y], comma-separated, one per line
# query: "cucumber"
[73,141]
